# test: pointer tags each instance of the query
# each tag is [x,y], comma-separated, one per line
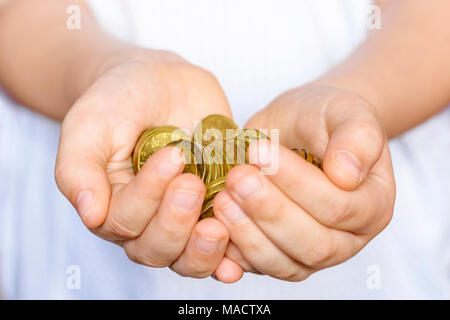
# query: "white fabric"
[257,49]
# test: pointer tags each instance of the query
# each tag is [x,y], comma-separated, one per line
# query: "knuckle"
[150,261]
[256,248]
[339,213]
[264,262]
[131,256]
[296,275]
[274,216]
[286,274]
[269,265]
[318,254]
[121,229]
[198,269]
[179,220]
[202,272]
[171,230]
[193,272]
[153,256]
[150,257]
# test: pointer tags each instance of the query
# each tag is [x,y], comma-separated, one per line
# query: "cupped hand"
[153,215]
[300,219]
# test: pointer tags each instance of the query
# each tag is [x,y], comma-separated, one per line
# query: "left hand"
[301,219]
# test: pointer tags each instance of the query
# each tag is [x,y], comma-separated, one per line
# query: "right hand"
[301,217]
[153,215]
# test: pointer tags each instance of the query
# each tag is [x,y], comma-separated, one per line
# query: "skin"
[312,220]
[297,221]
[120,91]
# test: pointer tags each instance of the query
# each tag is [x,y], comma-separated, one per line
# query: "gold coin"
[192,154]
[215,154]
[250,135]
[214,187]
[242,140]
[207,210]
[211,133]
[213,126]
[212,157]
[153,139]
[229,156]
[215,172]
[308,156]
[240,150]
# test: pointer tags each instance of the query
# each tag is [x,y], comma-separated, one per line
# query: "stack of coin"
[153,139]
[216,147]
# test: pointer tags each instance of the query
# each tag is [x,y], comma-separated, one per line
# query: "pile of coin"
[217,145]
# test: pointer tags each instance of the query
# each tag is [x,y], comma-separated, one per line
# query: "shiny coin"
[210,166]
[213,127]
[216,147]
[242,140]
[250,135]
[308,156]
[152,140]
[207,210]
[214,187]
[192,157]
[213,160]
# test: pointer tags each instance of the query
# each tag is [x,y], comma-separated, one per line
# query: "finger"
[355,144]
[80,174]
[234,254]
[134,205]
[165,237]
[257,249]
[286,224]
[204,251]
[358,211]
[228,271]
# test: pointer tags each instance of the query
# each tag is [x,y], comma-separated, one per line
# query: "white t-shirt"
[257,49]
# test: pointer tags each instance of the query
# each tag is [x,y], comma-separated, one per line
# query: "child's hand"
[153,215]
[300,220]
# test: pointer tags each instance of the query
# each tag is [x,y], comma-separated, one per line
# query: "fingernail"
[247,186]
[349,163]
[233,213]
[185,200]
[206,246]
[84,203]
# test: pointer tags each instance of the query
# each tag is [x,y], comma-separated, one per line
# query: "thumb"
[356,141]
[80,175]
